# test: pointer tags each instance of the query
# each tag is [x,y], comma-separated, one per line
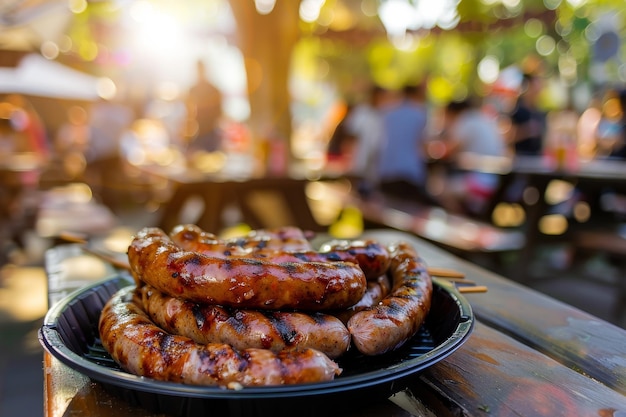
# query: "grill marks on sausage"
[282,238]
[243,282]
[389,324]
[274,330]
[291,268]
[288,334]
[371,256]
[142,348]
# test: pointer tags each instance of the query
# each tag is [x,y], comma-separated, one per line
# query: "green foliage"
[449,58]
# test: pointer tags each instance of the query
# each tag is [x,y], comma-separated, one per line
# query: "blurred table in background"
[536,172]
[72,209]
[585,208]
[215,200]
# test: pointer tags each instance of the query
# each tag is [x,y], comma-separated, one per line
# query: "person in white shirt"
[365,124]
[471,132]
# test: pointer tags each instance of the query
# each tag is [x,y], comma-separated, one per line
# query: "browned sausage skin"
[279,238]
[372,257]
[376,291]
[286,238]
[242,329]
[142,348]
[389,324]
[242,282]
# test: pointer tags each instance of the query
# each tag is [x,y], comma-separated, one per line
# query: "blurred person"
[620,149]
[204,111]
[340,145]
[21,132]
[611,130]
[470,132]
[108,121]
[561,149]
[587,126]
[168,106]
[72,141]
[528,121]
[365,125]
[402,169]
[27,131]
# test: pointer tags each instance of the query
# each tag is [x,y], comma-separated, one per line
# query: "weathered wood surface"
[496,375]
[451,231]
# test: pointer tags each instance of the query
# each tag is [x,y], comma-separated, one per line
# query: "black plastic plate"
[70,334]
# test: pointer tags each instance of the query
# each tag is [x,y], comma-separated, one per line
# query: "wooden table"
[528,355]
[262,201]
[538,171]
[591,177]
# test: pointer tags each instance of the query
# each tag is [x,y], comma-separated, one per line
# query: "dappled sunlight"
[553,224]
[558,192]
[508,215]
[209,162]
[285,154]
[582,211]
[119,239]
[326,200]
[23,295]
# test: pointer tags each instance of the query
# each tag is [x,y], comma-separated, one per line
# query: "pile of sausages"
[264,309]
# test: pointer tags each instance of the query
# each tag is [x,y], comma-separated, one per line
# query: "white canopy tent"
[38,76]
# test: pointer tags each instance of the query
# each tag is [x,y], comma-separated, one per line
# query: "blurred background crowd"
[392,94]
[92,88]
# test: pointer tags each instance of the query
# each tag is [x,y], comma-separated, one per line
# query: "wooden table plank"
[493,374]
[571,336]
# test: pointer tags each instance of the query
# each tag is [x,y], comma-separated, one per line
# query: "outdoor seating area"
[259,208]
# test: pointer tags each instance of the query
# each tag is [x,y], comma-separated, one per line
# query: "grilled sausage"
[370,255]
[242,329]
[375,292]
[142,348]
[389,324]
[242,282]
[282,238]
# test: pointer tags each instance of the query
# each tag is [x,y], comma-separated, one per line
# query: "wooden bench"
[453,232]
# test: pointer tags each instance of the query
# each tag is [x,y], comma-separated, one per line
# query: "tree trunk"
[267,42]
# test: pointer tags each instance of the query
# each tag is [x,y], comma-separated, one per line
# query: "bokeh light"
[545,45]
[489,69]
[264,6]
[553,224]
[310,10]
